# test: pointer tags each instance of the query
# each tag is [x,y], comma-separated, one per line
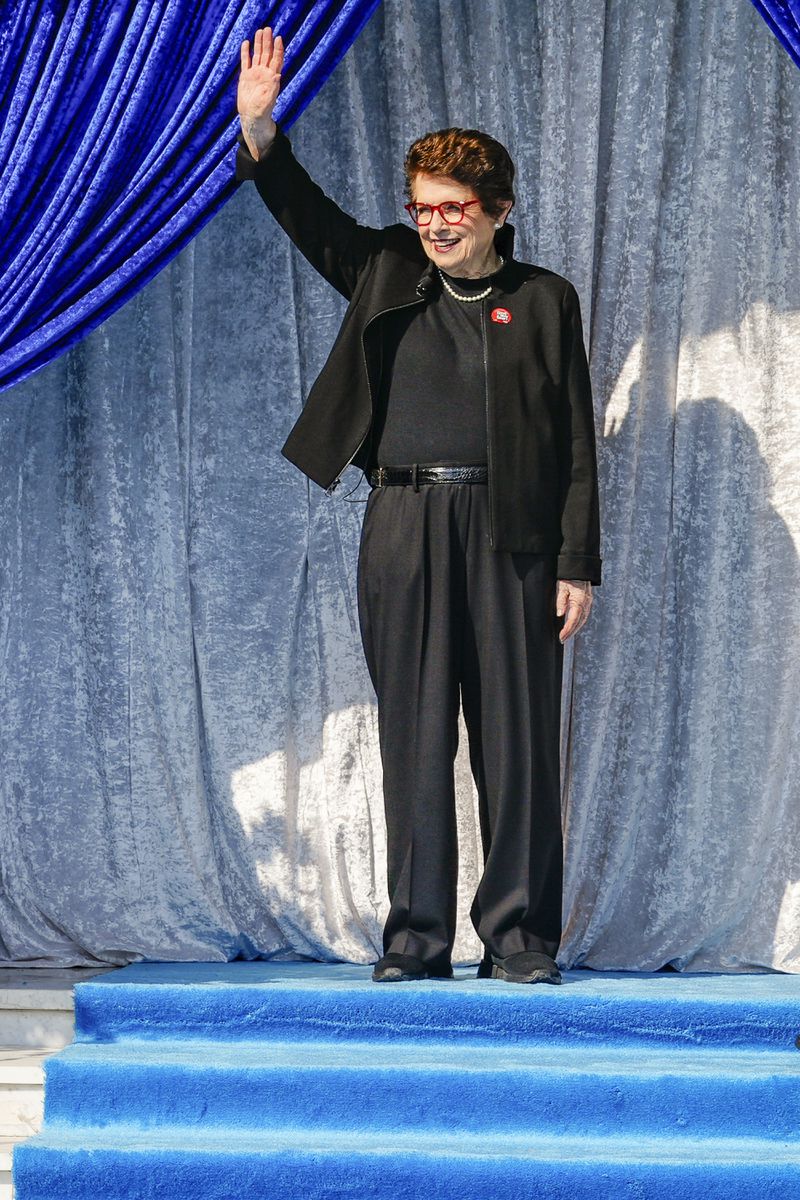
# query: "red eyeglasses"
[452,211]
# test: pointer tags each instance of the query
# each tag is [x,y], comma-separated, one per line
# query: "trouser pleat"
[446,620]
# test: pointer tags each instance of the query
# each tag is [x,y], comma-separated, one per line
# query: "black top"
[431,403]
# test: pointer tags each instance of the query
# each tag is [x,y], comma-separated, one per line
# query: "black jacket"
[543,493]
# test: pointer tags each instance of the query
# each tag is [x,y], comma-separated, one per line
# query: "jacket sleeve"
[332,241]
[579,557]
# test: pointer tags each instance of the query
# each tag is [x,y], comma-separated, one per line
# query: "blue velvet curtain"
[783,18]
[117,145]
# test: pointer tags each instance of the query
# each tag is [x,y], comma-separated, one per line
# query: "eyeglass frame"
[434,207]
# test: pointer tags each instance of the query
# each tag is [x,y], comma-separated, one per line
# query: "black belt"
[420,473]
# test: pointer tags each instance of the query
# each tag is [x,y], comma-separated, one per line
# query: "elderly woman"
[459,384]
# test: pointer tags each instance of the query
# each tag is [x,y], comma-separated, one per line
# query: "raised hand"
[259,84]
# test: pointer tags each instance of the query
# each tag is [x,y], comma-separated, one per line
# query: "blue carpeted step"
[119,1163]
[309,1080]
[426,1085]
[252,1000]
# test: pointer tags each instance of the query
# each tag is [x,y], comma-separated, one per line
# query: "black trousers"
[445,619]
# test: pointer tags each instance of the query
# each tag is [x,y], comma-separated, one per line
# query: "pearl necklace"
[478,295]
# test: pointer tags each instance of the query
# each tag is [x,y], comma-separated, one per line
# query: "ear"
[507,206]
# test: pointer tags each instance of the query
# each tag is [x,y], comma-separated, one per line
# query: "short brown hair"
[469,156]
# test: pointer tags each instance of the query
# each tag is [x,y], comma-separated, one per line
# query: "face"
[466,248]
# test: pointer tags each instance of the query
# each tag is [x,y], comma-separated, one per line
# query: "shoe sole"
[395,975]
[510,977]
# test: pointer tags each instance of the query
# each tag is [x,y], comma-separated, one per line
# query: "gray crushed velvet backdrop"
[190,764]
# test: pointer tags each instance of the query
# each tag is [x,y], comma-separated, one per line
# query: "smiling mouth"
[446,245]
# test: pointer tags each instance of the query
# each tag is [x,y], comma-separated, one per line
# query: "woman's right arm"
[332,241]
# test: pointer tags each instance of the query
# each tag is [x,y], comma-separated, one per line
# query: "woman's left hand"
[575,599]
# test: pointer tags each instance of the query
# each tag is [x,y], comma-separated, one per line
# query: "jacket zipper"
[488,430]
[332,486]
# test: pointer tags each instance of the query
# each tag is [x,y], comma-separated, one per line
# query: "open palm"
[260,78]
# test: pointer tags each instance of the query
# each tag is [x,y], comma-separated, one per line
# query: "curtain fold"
[188,732]
[783,18]
[117,143]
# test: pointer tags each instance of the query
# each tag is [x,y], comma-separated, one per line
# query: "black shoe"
[394,967]
[528,966]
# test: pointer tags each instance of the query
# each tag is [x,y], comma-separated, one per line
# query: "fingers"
[272,51]
[571,624]
[267,51]
[577,604]
[277,56]
[575,619]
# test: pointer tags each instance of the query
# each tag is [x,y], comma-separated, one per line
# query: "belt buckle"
[381,477]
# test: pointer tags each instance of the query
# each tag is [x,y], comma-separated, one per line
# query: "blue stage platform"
[253,1079]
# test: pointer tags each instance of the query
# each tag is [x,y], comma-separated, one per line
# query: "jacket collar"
[504,243]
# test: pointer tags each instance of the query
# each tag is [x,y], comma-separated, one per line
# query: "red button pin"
[501,315]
